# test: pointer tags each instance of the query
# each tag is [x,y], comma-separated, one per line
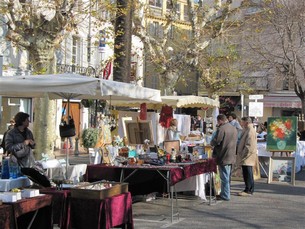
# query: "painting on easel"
[282,134]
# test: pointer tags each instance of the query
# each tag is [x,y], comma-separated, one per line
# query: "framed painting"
[139,131]
[282,134]
[282,169]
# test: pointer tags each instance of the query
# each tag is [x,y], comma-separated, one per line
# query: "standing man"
[247,154]
[224,151]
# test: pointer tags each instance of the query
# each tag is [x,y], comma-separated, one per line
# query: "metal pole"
[1,65]
[242,104]
[67,148]
[1,74]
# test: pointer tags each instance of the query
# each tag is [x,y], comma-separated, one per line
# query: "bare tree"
[39,27]
[277,39]
[189,49]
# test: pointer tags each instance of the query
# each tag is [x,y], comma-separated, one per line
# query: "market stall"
[264,156]
[72,86]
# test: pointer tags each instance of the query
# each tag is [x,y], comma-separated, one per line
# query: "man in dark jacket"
[224,144]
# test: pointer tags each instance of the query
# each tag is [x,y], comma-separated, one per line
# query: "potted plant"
[90,137]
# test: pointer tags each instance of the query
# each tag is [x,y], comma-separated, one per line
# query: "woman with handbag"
[19,141]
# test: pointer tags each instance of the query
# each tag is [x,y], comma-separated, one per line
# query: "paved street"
[272,206]
[275,205]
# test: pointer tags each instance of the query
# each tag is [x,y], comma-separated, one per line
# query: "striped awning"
[283,101]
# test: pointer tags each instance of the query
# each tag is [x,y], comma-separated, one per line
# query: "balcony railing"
[87,71]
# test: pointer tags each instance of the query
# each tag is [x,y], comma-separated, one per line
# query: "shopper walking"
[247,154]
[224,151]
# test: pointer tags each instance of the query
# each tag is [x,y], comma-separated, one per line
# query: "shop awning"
[283,101]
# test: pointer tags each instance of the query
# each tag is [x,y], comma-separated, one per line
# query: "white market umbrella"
[61,86]
[73,86]
[57,86]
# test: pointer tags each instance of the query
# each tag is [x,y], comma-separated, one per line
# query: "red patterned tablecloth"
[108,213]
[147,179]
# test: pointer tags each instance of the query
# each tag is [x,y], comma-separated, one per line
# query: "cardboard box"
[28,193]
[9,197]
[99,190]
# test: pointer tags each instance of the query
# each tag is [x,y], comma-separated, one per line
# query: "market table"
[108,213]
[6,216]
[60,202]
[35,211]
[147,179]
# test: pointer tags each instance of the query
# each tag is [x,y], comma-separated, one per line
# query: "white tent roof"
[74,86]
[174,101]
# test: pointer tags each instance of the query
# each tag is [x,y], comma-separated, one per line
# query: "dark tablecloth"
[59,200]
[24,210]
[102,214]
[6,216]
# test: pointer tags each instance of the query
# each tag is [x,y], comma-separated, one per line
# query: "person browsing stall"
[224,151]
[172,133]
[247,154]
[19,141]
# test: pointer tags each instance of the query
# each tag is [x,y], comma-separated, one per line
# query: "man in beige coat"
[246,154]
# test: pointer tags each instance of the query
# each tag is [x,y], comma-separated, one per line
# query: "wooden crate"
[94,191]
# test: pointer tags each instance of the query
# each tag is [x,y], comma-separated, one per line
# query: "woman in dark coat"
[19,141]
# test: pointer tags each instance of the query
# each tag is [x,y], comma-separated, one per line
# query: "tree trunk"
[303,104]
[168,82]
[122,41]
[43,61]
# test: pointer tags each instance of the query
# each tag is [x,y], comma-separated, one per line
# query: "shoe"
[243,193]
[219,198]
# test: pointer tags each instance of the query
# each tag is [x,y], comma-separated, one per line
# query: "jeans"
[225,177]
[248,178]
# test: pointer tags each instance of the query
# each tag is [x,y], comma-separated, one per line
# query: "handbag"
[67,130]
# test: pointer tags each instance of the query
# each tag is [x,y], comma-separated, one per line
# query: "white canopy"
[73,86]
[174,101]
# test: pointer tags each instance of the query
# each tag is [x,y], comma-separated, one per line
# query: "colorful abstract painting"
[282,134]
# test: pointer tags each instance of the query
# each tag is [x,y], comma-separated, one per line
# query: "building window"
[171,33]
[169,4]
[89,50]
[75,50]
[156,3]
[155,29]
[186,13]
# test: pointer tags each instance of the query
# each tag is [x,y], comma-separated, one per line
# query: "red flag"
[143,111]
[107,71]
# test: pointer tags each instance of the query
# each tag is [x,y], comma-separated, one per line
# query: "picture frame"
[138,131]
[282,134]
[124,119]
[282,169]
[168,145]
